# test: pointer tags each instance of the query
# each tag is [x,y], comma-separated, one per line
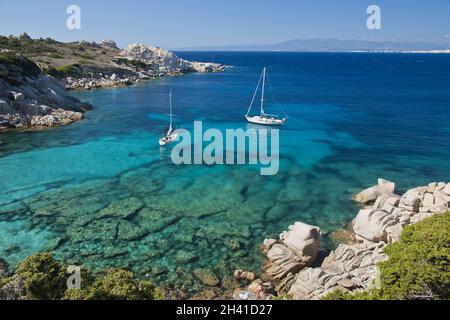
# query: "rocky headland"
[132,65]
[35,73]
[352,266]
[30,98]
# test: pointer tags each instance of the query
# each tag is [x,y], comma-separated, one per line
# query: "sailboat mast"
[262,92]
[170,115]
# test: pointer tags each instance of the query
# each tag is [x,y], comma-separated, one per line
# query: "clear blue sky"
[177,23]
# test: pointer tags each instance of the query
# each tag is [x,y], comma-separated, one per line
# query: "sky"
[187,23]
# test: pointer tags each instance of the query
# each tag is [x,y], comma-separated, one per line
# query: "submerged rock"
[122,209]
[183,257]
[97,230]
[244,275]
[207,277]
[153,220]
[129,231]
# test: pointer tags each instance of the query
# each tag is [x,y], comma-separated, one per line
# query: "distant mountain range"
[334,45]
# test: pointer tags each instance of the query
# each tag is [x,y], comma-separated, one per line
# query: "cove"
[101,193]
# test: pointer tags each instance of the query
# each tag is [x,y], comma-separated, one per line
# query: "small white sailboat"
[263,118]
[171,135]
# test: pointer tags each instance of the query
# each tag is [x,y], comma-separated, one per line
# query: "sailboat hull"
[268,121]
[170,138]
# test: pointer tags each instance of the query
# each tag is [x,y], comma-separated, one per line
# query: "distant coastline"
[334,45]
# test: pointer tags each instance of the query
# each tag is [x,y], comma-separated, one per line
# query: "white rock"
[367,195]
[438,209]
[268,243]
[371,224]
[447,189]
[109,44]
[432,187]
[441,186]
[165,60]
[394,232]
[412,199]
[282,261]
[304,240]
[440,202]
[428,200]
[385,186]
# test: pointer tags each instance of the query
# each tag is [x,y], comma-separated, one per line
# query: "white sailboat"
[263,118]
[171,135]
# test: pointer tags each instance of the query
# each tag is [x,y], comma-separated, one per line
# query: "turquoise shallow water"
[102,193]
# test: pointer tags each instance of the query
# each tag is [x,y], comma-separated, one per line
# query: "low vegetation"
[55,58]
[116,285]
[418,266]
[131,63]
[45,278]
[25,66]
[60,72]
[17,66]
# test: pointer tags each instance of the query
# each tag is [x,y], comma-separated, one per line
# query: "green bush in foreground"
[45,279]
[418,266]
[116,285]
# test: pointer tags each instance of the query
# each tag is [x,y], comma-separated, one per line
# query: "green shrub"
[131,63]
[116,285]
[83,61]
[60,72]
[358,295]
[86,57]
[26,66]
[44,278]
[418,266]
[55,55]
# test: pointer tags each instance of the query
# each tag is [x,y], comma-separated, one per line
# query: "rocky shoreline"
[135,64]
[35,74]
[351,266]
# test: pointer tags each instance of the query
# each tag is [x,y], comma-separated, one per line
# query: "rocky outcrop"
[372,193]
[29,98]
[166,61]
[134,64]
[350,266]
[109,44]
[89,65]
[296,249]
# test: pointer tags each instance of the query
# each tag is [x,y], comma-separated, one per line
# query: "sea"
[102,193]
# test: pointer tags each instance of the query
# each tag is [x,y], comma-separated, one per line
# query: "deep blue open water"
[102,193]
